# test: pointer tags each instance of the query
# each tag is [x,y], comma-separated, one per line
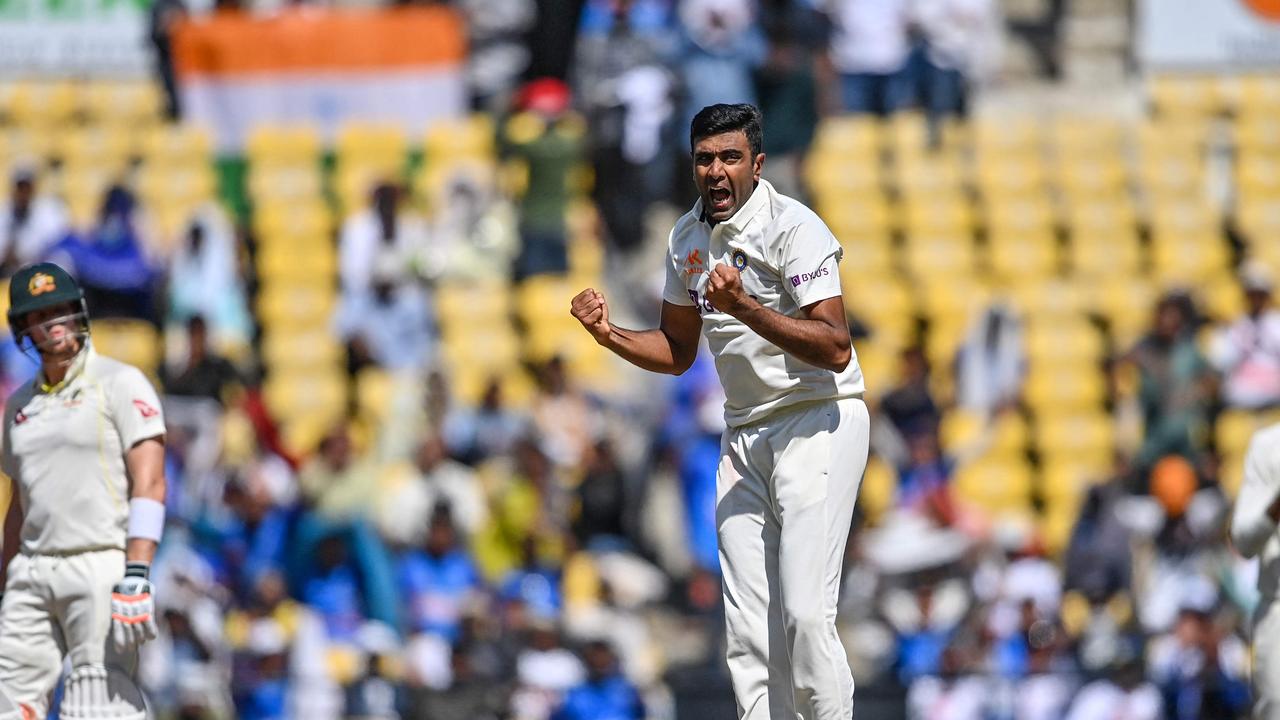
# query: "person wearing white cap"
[1247,352]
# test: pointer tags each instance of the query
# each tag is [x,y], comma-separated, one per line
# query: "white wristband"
[146,519]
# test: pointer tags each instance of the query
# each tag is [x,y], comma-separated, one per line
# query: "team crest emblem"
[41,283]
[739,259]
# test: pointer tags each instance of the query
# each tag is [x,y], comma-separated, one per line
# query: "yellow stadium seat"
[189,184]
[1185,95]
[472,136]
[1179,175]
[1099,176]
[1258,175]
[1101,215]
[287,145]
[30,143]
[1011,176]
[878,360]
[998,486]
[1003,134]
[1064,386]
[848,135]
[293,219]
[957,298]
[1179,218]
[879,486]
[946,213]
[884,301]
[285,261]
[1048,298]
[285,183]
[1231,475]
[1185,136]
[1260,220]
[184,144]
[287,349]
[871,253]
[375,390]
[354,183]
[1065,479]
[318,393]
[99,144]
[1128,306]
[1022,257]
[1189,257]
[294,306]
[928,175]
[366,145]
[859,215]
[1235,428]
[1087,434]
[1116,254]
[1258,135]
[1018,216]
[41,102]
[83,187]
[124,103]
[1003,435]
[435,183]
[1221,297]
[908,134]
[1064,337]
[1075,138]
[1259,95]
[835,178]
[937,256]
[131,341]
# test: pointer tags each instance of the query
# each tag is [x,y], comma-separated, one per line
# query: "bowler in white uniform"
[1253,532]
[83,447]
[757,272]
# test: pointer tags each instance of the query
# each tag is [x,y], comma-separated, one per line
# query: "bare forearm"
[651,350]
[140,550]
[813,341]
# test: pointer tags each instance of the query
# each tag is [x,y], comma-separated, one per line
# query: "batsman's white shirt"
[788,259]
[64,448]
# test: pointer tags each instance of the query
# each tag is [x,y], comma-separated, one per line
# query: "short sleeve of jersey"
[135,408]
[811,263]
[6,448]
[674,290]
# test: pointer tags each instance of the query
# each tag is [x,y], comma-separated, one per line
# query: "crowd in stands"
[554,557]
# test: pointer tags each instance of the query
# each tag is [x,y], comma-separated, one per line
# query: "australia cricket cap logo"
[739,259]
[41,283]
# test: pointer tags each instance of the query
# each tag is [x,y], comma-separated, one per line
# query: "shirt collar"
[739,220]
[73,371]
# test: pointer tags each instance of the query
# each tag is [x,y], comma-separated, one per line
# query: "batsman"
[84,450]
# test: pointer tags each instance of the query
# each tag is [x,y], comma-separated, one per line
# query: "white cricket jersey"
[65,446]
[788,259]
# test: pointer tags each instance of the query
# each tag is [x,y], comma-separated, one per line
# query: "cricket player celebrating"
[83,446]
[757,272]
[1253,532]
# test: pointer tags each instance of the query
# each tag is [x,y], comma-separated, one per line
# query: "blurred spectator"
[204,279]
[910,406]
[386,230]
[1098,559]
[602,499]
[203,374]
[165,14]
[693,428]
[375,695]
[626,87]
[489,430]
[391,324]
[404,510]
[723,46]
[955,693]
[30,222]
[545,671]
[496,49]
[787,87]
[562,416]
[1122,693]
[468,697]
[606,692]
[436,580]
[868,52]
[1201,672]
[111,263]
[991,362]
[924,480]
[962,45]
[1175,387]
[1247,352]
[332,588]
[474,230]
[337,483]
[547,138]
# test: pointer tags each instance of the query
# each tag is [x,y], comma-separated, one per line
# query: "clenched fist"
[724,289]
[593,312]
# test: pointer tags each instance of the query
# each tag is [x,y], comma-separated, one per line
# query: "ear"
[756,166]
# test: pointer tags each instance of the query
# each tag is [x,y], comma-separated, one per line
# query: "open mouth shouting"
[721,200]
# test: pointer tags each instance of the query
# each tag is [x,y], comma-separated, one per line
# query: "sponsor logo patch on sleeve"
[145,409]
[802,278]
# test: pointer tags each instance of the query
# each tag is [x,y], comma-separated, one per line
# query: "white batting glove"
[133,611]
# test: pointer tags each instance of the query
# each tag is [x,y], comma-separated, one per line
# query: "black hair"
[721,118]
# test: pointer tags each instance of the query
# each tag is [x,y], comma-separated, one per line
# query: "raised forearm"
[814,341]
[145,462]
[651,350]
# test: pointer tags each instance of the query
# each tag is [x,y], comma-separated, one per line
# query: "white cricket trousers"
[56,606]
[1266,660]
[784,503]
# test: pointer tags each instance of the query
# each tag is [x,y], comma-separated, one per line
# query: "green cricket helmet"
[39,286]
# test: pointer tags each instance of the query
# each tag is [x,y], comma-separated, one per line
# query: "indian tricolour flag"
[401,66]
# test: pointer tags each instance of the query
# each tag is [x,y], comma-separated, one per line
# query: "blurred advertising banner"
[74,38]
[401,66]
[1209,34]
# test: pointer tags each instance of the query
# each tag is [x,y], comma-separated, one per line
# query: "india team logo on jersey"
[739,259]
[41,283]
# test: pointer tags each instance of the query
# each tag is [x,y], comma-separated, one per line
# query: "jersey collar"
[73,371]
[739,220]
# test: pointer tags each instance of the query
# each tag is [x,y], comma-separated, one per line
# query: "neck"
[55,371]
